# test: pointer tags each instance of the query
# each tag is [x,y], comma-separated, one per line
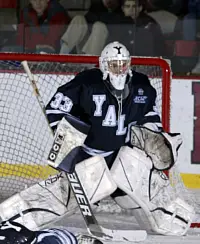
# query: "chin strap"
[119,101]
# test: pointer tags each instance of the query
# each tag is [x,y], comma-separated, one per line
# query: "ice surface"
[118,220]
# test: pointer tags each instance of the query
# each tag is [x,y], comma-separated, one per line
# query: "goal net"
[25,138]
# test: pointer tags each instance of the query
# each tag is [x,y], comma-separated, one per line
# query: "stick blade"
[126,235]
[117,235]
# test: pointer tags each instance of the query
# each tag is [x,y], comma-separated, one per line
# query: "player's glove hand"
[161,147]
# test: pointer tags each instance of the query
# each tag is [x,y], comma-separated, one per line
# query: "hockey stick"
[91,223]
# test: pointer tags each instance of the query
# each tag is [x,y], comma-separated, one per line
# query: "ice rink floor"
[76,224]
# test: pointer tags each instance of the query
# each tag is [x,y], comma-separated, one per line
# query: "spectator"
[179,7]
[101,25]
[152,5]
[42,23]
[158,11]
[144,35]
[187,36]
[191,21]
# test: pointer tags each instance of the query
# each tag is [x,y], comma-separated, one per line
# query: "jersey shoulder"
[90,76]
[84,79]
[140,79]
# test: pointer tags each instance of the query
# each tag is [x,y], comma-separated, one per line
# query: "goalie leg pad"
[95,178]
[41,203]
[126,202]
[151,190]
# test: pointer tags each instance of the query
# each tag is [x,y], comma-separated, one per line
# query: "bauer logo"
[58,141]
[80,195]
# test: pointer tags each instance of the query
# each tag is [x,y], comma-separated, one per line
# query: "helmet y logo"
[118,49]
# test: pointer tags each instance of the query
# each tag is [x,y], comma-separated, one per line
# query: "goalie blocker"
[66,150]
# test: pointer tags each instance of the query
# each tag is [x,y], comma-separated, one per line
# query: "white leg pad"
[126,202]
[167,213]
[50,195]
[95,178]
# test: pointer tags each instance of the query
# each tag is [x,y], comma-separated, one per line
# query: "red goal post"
[24,135]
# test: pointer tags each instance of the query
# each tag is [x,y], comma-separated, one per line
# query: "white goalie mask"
[114,63]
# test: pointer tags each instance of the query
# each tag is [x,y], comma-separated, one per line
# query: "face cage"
[118,66]
[114,65]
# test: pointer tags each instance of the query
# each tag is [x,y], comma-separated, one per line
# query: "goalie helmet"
[15,233]
[114,63]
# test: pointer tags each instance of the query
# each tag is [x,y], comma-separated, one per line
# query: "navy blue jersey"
[89,98]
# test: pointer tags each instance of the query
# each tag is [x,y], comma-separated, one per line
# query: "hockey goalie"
[126,150]
[108,131]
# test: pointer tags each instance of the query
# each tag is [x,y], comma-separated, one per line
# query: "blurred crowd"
[167,28]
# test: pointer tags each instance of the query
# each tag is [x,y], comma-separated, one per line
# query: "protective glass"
[118,66]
